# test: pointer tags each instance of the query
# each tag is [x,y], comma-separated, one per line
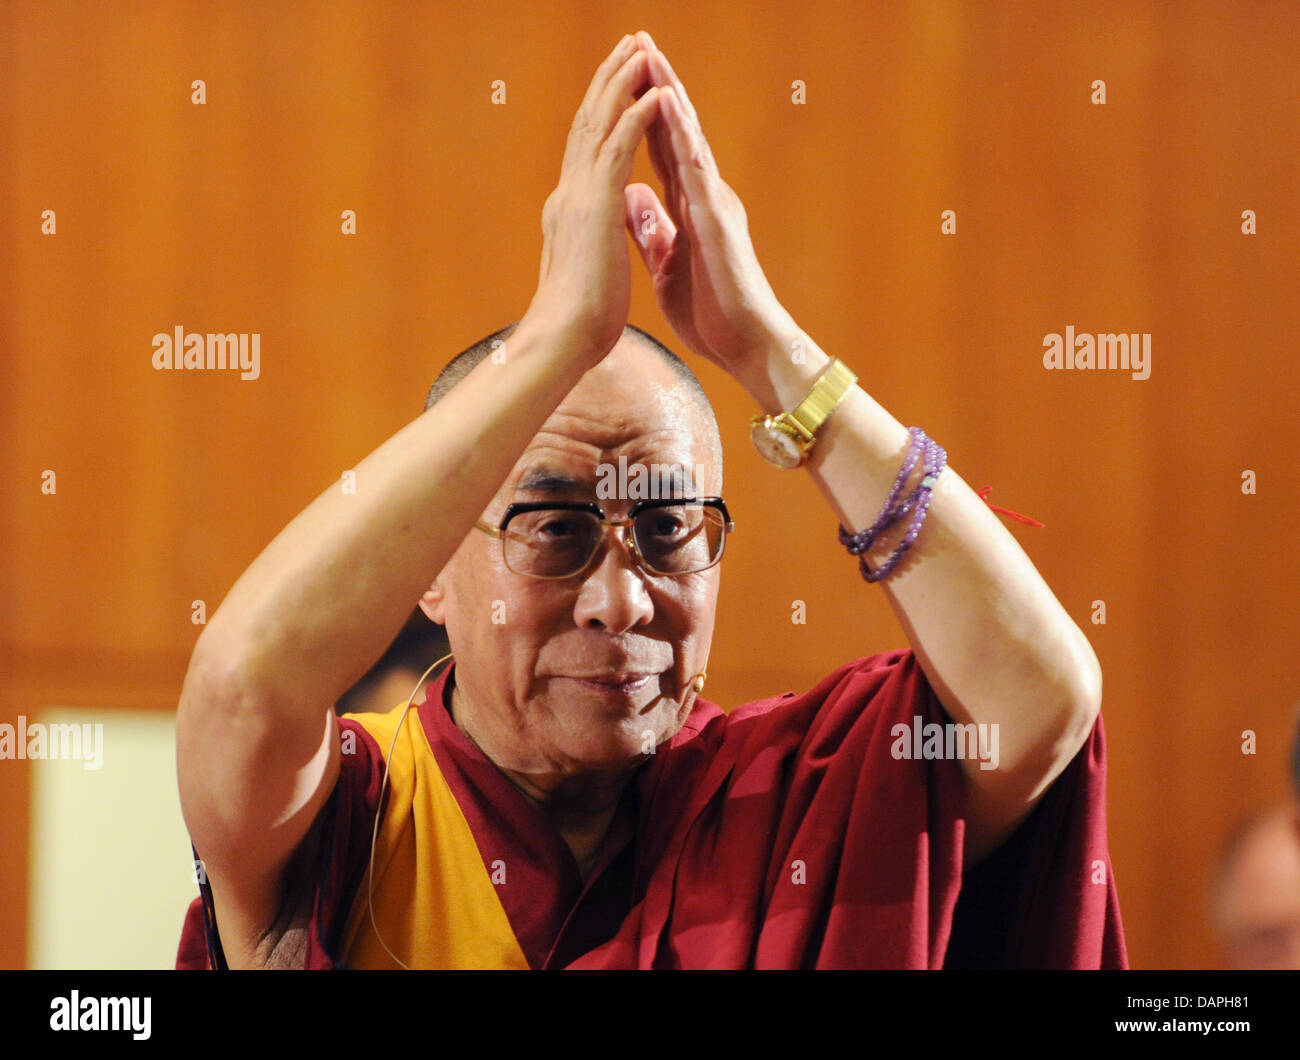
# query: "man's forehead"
[632,387]
[630,414]
[567,457]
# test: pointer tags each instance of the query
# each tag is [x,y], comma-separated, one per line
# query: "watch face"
[776,446]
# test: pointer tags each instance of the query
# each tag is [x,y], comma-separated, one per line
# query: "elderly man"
[563,796]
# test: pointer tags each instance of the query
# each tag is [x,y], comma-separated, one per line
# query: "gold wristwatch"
[786,438]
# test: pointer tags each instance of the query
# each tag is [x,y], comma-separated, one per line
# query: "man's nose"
[614,595]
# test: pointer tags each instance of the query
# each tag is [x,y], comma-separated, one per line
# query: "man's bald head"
[464,362]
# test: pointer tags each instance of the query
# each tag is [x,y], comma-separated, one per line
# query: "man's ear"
[434,604]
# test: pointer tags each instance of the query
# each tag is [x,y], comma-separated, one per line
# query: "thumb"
[650,226]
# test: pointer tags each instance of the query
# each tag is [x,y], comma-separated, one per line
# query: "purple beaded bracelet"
[935,459]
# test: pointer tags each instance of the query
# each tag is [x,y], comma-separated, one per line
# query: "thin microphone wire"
[374,836]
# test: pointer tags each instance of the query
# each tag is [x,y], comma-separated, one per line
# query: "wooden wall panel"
[1117,217]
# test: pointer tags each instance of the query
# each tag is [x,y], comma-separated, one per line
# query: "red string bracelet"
[983,494]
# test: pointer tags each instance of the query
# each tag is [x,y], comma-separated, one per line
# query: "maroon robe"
[783,835]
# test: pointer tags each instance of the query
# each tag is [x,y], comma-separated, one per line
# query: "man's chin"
[616,747]
[601,732]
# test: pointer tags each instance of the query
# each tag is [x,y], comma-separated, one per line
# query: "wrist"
[785,365]
[565,341]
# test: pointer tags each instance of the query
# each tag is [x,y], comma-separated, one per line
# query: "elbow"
[1090,677]
[1082,677]
[241,752]
[226,710]
[217,683]
[1063,707]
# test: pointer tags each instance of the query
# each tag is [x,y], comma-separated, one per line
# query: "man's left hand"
[706,275]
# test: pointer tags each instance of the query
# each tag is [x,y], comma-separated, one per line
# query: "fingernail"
[649,39]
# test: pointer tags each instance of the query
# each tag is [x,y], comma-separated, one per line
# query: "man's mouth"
[620,684]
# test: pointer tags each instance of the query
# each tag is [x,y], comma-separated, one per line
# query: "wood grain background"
[1122,217]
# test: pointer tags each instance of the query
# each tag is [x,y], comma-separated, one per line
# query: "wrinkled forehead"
[630,428]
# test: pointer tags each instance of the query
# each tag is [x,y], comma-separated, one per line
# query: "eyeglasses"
[665,537]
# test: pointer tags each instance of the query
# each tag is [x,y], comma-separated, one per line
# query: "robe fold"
[799,831]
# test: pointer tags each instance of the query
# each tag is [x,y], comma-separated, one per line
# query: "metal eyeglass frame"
[626,523]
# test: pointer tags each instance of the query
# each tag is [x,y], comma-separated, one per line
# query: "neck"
[581,806]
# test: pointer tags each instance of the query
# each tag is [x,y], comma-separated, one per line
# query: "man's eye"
[555,529]
[666,524]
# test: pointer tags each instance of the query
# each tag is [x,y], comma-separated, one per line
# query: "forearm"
[322,601]
[994,642]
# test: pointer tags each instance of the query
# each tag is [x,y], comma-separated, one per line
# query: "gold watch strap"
[823,399]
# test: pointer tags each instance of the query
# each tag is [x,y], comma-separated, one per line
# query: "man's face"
[539,661]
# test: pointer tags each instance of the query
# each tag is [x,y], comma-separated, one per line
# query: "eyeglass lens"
[555,543]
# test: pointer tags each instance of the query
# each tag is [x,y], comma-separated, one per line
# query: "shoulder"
[371,733]
[885,683]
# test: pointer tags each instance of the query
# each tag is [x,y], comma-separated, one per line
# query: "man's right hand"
[584,284]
